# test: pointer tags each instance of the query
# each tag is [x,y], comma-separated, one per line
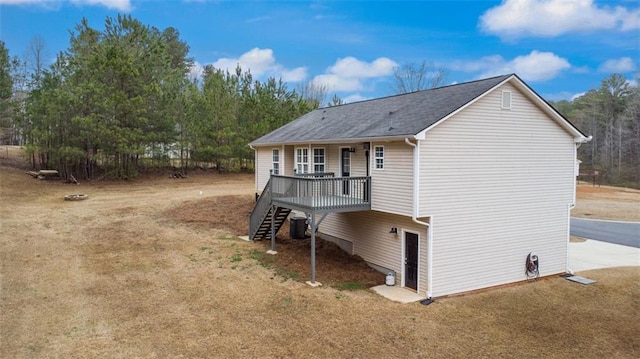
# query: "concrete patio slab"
[398,294]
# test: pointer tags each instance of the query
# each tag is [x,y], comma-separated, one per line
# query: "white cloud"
[262,62]
[630,19]
[547,18]
[296,75]
[25,2]
[536,66]
[349,73]
[356,97]
[121,5]
[621,65]
[350,66]
[334,82]
[575,96]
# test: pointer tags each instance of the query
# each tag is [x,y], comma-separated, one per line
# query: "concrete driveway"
[608,244]
[592,254]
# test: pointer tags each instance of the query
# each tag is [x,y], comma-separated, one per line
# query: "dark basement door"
[411,260]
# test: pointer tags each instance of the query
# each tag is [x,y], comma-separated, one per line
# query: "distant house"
[450,188]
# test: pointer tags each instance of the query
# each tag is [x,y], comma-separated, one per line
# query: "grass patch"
[266,261]
[256,255]
[237,257]
[350,286]
[288,274]
[206,249]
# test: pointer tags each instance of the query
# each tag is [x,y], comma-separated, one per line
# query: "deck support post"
[313,248]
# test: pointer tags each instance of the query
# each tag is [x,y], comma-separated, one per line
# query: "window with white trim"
[275,160]
[302,160]
[378,157]
[318,160]
[506,100]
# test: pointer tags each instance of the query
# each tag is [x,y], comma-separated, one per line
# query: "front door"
[411,260]
[345,168]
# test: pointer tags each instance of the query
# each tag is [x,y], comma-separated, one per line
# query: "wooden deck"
[323,204]
[310,194]
[322,195]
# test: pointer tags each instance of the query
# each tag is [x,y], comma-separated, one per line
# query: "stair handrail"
[260,210]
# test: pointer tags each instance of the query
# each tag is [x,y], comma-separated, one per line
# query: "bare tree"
[412,77]
[314,93]
[35,58]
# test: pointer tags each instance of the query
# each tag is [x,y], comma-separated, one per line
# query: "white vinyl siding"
[392,189]
[288,161]
[369,233]
[264,158]
[498,185]
[358,163]
[333,159]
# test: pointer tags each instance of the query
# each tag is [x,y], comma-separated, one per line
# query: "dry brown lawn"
[152,268]
[605,202]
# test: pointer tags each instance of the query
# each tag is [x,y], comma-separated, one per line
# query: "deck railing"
[315,174]
[322,193]
[260,209]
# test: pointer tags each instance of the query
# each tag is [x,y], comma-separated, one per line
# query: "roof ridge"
[419,91]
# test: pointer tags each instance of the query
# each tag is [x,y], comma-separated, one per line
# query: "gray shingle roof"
[400,115]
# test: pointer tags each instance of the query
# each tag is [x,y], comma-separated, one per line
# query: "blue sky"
[561,48]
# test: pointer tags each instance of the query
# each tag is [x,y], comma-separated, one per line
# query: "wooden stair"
[261,216]
[264,230]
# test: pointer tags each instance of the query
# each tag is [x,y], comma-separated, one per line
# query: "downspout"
[416,206]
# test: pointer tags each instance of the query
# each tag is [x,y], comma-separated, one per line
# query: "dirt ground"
[605,202]
[334,267]
[152,268]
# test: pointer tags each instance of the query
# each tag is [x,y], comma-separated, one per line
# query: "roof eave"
[339,141]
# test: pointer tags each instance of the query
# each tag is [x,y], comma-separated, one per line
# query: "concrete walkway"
[592,254]
[397,294]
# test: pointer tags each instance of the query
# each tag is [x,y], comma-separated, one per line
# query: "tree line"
[611,115]
[121,101]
